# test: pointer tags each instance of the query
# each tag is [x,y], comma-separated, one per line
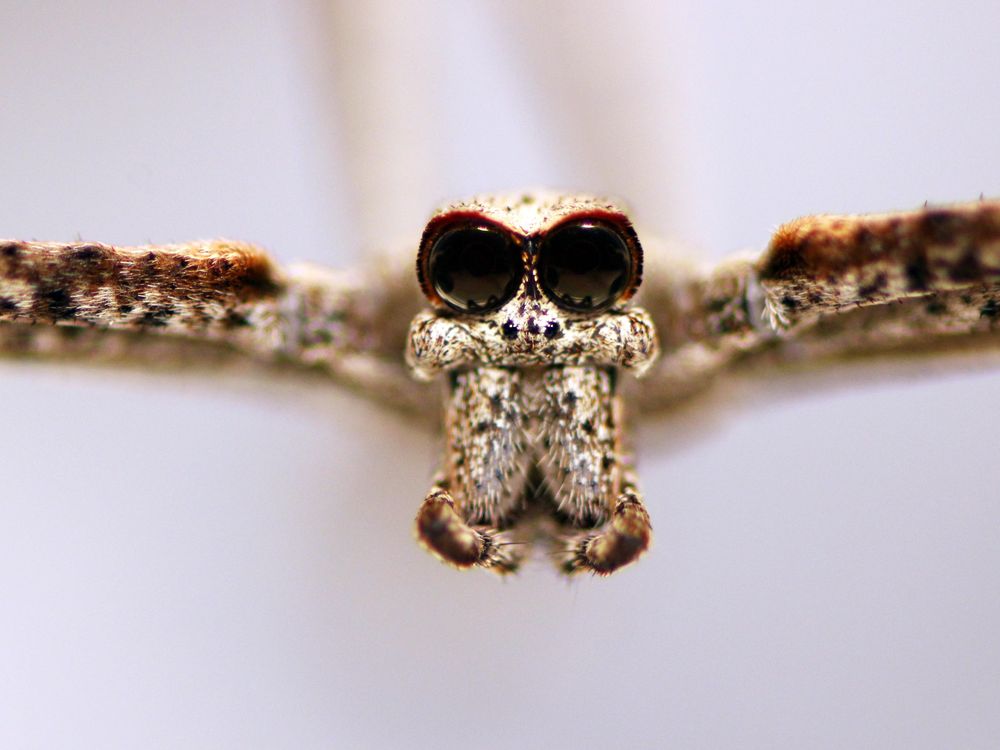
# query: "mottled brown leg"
[443,531]
[604,525]
[618,542]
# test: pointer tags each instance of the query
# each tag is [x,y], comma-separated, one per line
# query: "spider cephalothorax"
[530,324]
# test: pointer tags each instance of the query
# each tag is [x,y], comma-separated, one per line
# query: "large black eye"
[584,266]
[474,268]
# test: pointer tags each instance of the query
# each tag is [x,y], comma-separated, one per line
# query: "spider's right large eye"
[475,268]
[585,265]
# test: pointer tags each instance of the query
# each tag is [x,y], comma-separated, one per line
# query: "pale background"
[190,563]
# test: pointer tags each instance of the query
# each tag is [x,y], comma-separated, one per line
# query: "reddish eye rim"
[618,223]
[443,224]
[446,222]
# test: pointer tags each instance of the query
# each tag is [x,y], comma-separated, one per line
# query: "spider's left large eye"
[474,268]
[585,265]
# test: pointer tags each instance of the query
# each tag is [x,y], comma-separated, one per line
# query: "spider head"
[525,270]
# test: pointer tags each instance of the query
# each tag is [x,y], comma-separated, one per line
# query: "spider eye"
[584,266]
[474,268]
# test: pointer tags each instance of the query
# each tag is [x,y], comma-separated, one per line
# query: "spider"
[531,311]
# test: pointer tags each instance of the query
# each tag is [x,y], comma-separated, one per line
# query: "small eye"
[584,266]
[474,268]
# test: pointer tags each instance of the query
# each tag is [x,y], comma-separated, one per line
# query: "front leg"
[203,303]
[588,473]
[614,545]
[828,288]
[466,517]
[442,530]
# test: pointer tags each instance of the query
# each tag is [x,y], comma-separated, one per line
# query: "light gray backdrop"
[230,563]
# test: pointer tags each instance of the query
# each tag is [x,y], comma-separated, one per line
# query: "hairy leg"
[828,287]
[442,530]
[221,294]
[593,486]
[482,485]
[621,540]
[485,423]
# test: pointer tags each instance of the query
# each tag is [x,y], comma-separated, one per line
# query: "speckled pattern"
[355,325]
[534,395]
[533,419]
[827,288]
[825,263]
[182,287]
[171,303]
[533,454]
[531,332]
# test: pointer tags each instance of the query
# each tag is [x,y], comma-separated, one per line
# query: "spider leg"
[618,542]
[149,304]
[829,287]
[604,524]
[828,264]
[481,488]
[443,532]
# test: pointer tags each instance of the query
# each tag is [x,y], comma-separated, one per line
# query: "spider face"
[531,277]
[529,321]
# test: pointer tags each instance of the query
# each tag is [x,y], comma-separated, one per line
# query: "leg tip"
[623,541]
[442,531]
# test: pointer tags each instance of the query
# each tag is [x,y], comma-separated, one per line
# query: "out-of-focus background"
[229,563]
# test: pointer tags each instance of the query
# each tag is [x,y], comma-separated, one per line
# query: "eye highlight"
[474,268]
[585,265]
